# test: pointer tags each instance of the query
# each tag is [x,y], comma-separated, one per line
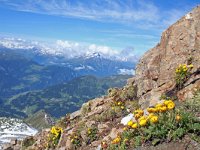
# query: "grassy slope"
[64,98]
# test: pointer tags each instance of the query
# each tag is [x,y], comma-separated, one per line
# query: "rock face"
[180,44]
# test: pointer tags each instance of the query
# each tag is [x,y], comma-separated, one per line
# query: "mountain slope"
[19,74]
[40,120]
[96,64]
[64,98]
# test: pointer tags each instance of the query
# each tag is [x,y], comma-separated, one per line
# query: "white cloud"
[139,13]
[69,49]
[67,44]
[102,49]
[125,11]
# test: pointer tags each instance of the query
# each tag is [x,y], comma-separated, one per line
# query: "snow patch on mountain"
[126,71]
[14,128]
[83,68]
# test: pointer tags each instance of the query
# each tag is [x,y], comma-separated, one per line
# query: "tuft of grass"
[28,142]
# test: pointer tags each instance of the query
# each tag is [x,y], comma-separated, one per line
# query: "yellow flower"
[137,116]
[122,107]
[119,103]
[143,122]
[177,70]
[158,109]
[166,102]
[130,123]
[190,66]
[184,66]
[125,128]
[134,126]
[116,140]
[154,119]
[185,69]
[139,111]
[72,140]
[163,109]
[159,105]
[142,118]
[151,110]
[113,108]
[150,115]
[170,105]
[178,117]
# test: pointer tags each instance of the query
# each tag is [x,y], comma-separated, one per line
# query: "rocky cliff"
[155,72]
[155,77]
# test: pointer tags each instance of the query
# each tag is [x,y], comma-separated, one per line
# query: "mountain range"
[30,69]
[32,80]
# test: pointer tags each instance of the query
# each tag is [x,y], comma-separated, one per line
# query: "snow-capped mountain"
[97,64]
[92,60]
[11,128]
[67,49]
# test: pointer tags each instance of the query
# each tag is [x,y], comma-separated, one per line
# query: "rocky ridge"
[155,76]
[155,72]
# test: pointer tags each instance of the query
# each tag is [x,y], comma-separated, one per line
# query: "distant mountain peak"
[67,49]
[93,55]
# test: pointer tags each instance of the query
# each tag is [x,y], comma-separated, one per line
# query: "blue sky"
[117,24]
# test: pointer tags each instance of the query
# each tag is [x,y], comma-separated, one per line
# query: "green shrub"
[182,73]
[28,142]
[92,134]
[193,104]
[86,108]
[112,92]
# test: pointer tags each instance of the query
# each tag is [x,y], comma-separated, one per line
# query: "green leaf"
[155,141]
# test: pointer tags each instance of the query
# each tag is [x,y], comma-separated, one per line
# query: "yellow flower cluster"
[154,119]
[116,140]
[56,131]
[167,105]
[142,121]
[119,104]
[74,137]
[138,113]
[183,68]
[54,136]
[89,131]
